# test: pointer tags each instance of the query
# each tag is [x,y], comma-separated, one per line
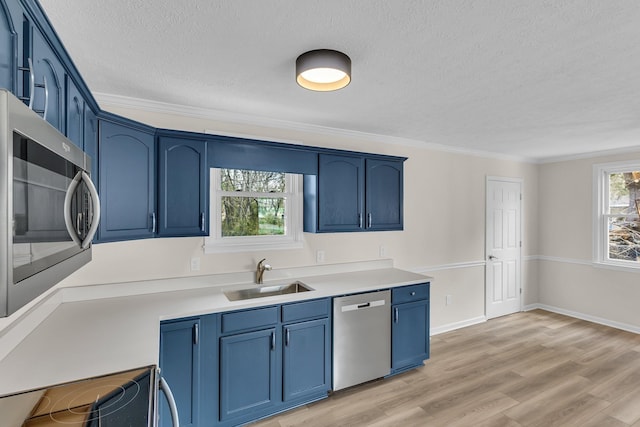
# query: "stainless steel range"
[124,399]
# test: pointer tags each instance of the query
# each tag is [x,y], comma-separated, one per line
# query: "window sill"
[213,247]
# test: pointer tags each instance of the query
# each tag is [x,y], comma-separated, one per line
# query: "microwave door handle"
[171,401]
[68,220]
[95,202]
[32,83]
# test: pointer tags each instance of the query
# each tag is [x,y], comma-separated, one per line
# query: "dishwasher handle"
[363,305]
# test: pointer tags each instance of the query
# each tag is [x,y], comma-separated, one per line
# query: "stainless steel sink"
[267,291]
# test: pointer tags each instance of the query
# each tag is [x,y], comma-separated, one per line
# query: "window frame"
[601,174]
[293,237]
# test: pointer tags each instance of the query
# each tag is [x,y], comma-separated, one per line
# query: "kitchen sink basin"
[267,291]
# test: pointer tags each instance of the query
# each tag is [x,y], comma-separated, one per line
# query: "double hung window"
[254,210]
[617,216]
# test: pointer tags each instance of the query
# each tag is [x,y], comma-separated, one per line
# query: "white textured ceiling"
[529,78]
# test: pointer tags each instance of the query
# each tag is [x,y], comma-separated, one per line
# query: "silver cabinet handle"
[273,340]
[202,220]
[196,334]
[395,315]
[46,98]
[286,337]
[369,220]
[153,222]
[360,220]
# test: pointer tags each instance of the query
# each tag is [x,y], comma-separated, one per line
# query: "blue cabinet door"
[409,335]
[180,367]
[248,374]
[126,182]
[74,109]
[7,48]
[48,95]
[183,178]
[306,359]
[384,184]
[340,193]
[90,140]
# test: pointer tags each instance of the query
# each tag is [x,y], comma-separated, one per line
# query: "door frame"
[516,180]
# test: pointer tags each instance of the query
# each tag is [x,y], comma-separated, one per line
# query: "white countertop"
[91,332]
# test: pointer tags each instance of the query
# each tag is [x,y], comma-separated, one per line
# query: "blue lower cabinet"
[306,366]
[232,368]
[248,374]
[188,363]
[180,367]
[409,327]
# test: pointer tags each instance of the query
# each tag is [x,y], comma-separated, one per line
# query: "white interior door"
[503,246]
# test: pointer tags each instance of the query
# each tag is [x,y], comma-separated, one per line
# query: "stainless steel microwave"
[49,208]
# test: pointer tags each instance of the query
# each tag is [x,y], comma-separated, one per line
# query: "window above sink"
[254,210]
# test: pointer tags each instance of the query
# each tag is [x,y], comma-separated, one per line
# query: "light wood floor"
[528,369]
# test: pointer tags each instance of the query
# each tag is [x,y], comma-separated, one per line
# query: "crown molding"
[119,101]
[591,155]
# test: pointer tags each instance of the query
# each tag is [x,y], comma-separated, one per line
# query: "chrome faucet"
[260,270]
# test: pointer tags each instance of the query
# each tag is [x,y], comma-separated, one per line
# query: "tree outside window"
[623,215]
[252,203]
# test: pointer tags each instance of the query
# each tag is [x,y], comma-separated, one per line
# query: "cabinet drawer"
[305,310]
[410,293]
[249,319]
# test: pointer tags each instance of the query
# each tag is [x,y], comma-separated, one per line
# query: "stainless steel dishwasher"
[361,338]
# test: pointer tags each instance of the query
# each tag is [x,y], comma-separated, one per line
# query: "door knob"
[491,257]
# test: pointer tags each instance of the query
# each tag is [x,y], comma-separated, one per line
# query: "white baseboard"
[587,317]
[457,325]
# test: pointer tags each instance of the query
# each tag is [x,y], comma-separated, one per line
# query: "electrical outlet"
[448,299]
[319,257]
[383,251]
[195,264]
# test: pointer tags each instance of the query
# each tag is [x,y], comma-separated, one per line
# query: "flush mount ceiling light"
[323,70]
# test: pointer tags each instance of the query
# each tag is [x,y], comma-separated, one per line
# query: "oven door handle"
[171,401]
[68,221]
[95,202]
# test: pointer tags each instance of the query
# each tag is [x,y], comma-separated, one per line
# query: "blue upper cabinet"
[90,140]
[126,181]
[340,192]
[354,193]
[74,109]
[7,48]
[384,198]
[48,79]
[183,180]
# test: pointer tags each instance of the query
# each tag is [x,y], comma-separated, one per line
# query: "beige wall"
[567,280]
[444,223]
